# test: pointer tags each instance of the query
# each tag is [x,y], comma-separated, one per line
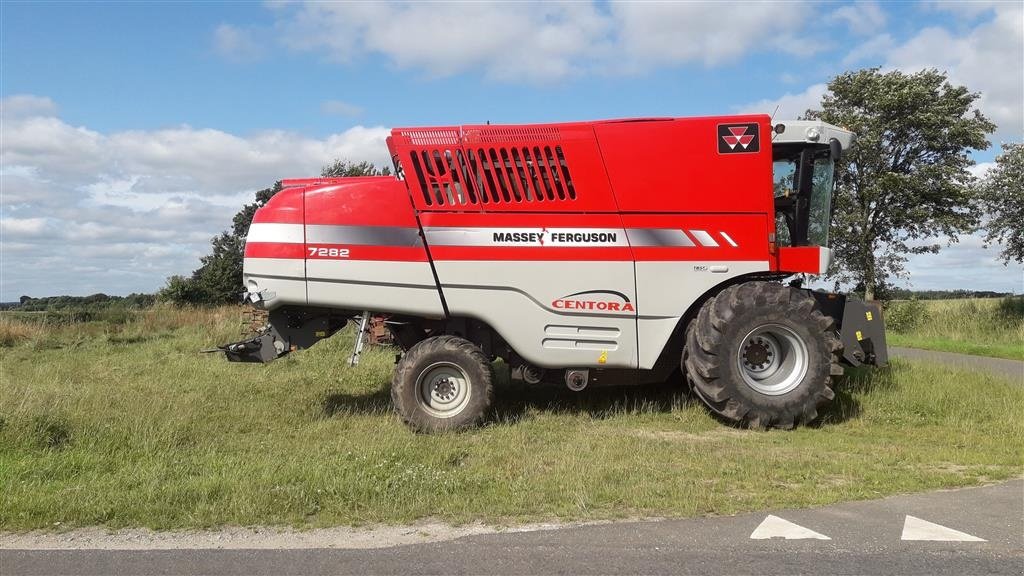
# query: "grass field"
[124,424]
[984,327]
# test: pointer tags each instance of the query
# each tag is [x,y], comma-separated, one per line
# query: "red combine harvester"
[590,253]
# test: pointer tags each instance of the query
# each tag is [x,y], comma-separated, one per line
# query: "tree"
[340,168]
[218,279]
[1002,191]
[905,181]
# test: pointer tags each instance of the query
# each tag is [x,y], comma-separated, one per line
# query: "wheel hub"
[772,359]
[758,354]
[444,389]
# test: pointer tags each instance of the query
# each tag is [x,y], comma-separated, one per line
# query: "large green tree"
[218,279]
[1002,190]
[905,185]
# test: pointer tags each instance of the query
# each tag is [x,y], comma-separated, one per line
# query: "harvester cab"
[804,157]
[582,254]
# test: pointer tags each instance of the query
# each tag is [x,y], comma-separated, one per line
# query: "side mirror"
[835,149]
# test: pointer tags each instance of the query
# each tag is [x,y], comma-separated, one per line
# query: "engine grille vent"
[493,175]
[432,137]
[515,135]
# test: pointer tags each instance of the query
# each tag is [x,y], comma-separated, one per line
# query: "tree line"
[77,303]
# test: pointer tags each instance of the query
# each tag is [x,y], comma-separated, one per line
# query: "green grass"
[983,327]
[129,426]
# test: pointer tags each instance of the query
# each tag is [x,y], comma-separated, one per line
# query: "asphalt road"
[1013,369]
[870,537]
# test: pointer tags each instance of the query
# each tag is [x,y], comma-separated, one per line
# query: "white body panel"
[516,299]
[394,287]
[280,280]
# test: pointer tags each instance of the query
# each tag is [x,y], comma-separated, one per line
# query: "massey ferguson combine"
[590,254]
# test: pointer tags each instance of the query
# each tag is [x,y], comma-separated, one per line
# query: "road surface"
[1013,369]
[968,531]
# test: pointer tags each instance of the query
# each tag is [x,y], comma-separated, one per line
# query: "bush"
[181,290]
[1011,309]
[906,315]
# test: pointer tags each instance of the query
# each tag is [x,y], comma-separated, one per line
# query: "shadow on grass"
[337,403]
[857,382]
[516,401]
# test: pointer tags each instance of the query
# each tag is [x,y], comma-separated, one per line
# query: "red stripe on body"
[274,250]
[304,252]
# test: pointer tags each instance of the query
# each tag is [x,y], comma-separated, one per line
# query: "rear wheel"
[762,355]
[442,383]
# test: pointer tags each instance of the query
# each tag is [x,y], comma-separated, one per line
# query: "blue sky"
[133,131]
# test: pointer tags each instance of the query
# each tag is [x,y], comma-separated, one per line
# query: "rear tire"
[762,355]
[442,383]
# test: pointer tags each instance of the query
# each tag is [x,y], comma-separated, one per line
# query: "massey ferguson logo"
[565,237]
[595,300]
[738,138]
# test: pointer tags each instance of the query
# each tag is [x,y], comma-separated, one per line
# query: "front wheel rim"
[443,390]
[772,359]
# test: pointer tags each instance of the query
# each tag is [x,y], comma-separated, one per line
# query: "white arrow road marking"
[775,527]
[917,529]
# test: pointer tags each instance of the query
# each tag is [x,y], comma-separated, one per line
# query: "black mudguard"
[861,328]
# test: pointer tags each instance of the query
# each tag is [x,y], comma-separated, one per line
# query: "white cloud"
[68,193]
[540,42]
[509,41]
[790,106]
[21,105]
[988,58]
[236,44]
[340,108]
[24,227]
[980,169]
[966,264]
[650,34]
[872,48]
[860,17]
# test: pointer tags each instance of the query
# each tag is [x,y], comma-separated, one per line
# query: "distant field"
[125,424]
[985,327]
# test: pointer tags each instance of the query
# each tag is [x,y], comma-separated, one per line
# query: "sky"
[130,133]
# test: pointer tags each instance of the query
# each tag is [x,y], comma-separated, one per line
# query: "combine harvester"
[592,253]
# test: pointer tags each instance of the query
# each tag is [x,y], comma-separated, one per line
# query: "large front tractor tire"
[762,355]
[442,383]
